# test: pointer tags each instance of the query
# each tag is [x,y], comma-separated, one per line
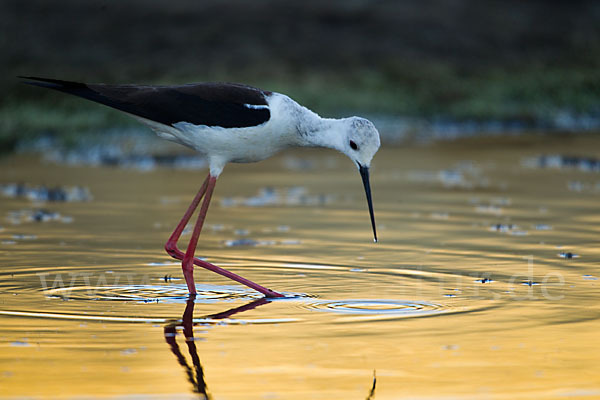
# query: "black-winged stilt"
[228,122]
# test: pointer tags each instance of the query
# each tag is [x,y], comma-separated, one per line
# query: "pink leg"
[171,245]
[188,259]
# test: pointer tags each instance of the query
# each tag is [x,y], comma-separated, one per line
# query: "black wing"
[227,105]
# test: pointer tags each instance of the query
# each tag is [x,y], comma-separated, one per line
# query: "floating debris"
[299,164]
[440,215]
[579,187]
[253,243]
[163,263]
[451,178]
[589,278]
[151,162]
[489,209]
[46,194]
[568,255]
[216,227]
[121,156]
[290,242]
[45,215]
[201,339]
[504,228]
[122,148]
[508,228]
[484,280]
[293,196]
[40,215]
[576,186]
[519,233]
[465,175]
[241,242]
[24,237]
[587,164]
[451,347]
[312,163]
[542,227]
[20,343]
[529,283]
[169,200]
[501,201]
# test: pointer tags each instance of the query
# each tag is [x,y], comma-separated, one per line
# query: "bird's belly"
[239,145]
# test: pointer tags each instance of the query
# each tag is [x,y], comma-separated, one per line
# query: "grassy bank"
[455,61]
[530,97]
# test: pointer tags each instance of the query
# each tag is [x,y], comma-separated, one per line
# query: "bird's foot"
[187,266]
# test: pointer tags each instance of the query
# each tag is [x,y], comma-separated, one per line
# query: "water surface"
[484,283]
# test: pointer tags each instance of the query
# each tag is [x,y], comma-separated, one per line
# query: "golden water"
[89,308]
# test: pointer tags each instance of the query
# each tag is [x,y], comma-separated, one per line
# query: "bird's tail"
[88,92]
[74,88]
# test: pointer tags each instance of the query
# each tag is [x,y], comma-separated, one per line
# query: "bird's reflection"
[195,375]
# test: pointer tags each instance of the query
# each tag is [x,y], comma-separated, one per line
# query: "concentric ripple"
[153,293]
[312,289]
[378,308]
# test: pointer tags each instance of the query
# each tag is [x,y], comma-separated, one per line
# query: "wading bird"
[228,122]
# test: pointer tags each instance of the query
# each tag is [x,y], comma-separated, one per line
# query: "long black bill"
[364,173]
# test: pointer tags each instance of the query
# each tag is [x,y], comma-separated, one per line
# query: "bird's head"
[355,137]
[360,142]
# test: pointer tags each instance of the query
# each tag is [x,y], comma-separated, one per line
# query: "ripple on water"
[377,308]
[176,293]
[153,293]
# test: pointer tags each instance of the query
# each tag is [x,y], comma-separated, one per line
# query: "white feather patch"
[256,107]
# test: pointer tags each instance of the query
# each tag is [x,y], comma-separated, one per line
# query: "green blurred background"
[520,64]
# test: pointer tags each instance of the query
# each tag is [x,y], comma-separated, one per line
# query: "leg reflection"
[196,375]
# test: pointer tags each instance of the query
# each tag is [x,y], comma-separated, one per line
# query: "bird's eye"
[353,145]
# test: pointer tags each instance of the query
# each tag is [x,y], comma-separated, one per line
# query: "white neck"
[315,131]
